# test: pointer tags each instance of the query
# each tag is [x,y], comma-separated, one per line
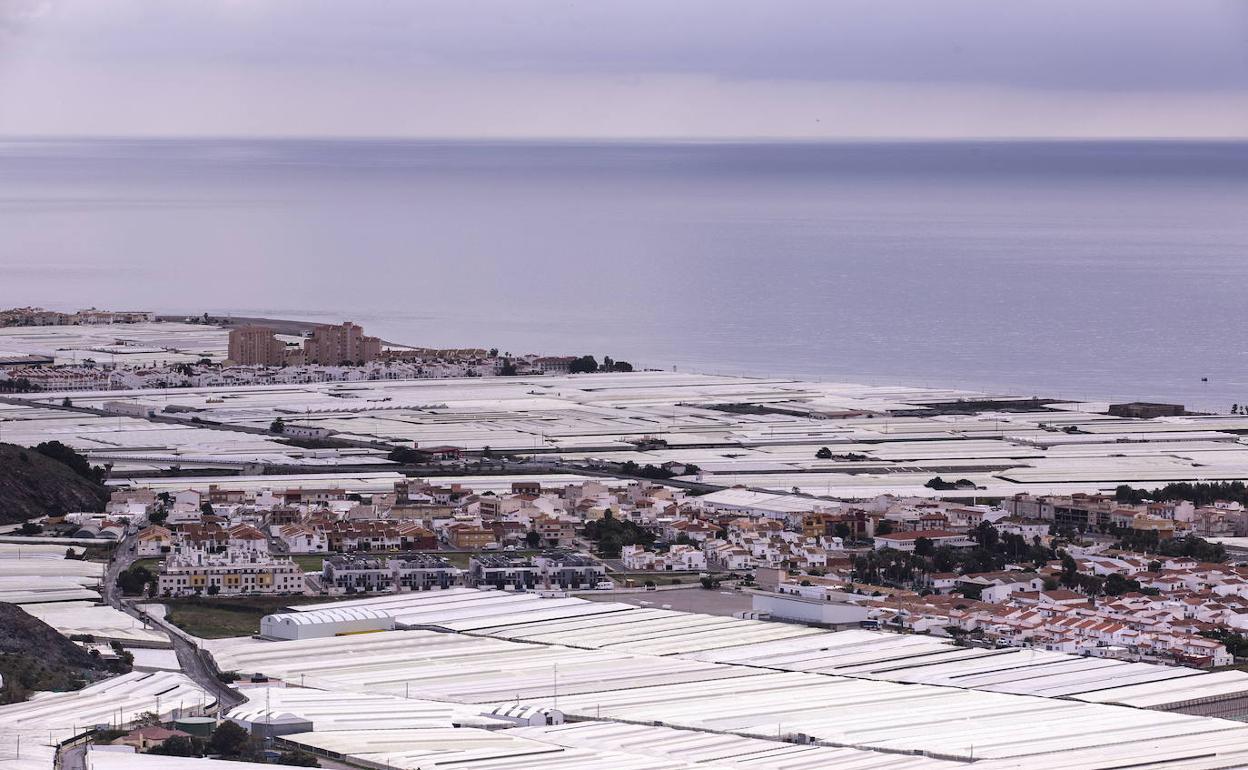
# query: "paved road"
[195,661]
[123,557]
[74,757]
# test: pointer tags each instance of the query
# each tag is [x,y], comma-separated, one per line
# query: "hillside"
[33,656]
[32,484]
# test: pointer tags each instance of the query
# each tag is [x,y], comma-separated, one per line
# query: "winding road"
[195,661]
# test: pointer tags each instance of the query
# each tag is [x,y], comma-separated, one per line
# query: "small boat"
[1204,379]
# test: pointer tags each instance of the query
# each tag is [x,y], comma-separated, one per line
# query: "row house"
[684,558]
[569,570]
[353,573]
[195,572]
[996,587]
[725,556]
[555,532]
[154,540]
[469,537]
[245,538]
[378,535]
[501,572]
[298,538]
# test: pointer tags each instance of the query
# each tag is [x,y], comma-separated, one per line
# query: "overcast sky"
[625,68]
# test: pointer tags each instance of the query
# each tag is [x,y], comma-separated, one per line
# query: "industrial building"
[337,621]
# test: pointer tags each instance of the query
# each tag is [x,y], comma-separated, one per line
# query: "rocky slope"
[32,484]
[33,656]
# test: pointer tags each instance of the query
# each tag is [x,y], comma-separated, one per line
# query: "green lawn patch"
[220,617]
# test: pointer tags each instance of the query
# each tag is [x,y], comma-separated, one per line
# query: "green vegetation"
[48,480]
[1200,493]
[309,562]
[587,364]
[940,484]
[135,580]
[992,552]
[33,656]
[217,618]
[407,456]
[19,385]
[229,741]
[1236,643]
[648,471]
[826,454]
[1191,546]
[68,457]
[612,534]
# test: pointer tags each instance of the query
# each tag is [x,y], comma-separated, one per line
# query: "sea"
[1073,270]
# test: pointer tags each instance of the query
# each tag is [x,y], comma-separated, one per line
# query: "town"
[1147,587]
[131,350]
[550,555]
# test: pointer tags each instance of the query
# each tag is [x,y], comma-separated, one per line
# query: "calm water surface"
[1094,270]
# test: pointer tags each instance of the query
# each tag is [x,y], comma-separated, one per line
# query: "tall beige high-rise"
[336,345]
[256,346]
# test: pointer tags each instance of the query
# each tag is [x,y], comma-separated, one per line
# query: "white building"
[317,624]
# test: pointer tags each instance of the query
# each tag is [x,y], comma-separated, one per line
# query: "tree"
[823,454]
[29,528]
[884,528]
[406,456]
[228,739]
[986,535]
[134,580]
[610,545]
[277,426]
[924,546]
[65,402]
[180,746]
[532,539]
[298,759]
[842,530]
[206,508]
[214,589]
[76,462]
[1117,584]
[1070,570]
[583,365]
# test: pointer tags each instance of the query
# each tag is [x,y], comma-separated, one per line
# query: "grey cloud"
[627,67]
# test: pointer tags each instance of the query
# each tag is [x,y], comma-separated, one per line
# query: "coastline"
[284,326]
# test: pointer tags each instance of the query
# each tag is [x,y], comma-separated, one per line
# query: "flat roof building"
[256,346]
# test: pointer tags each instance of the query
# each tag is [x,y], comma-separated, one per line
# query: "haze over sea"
[1073,269]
